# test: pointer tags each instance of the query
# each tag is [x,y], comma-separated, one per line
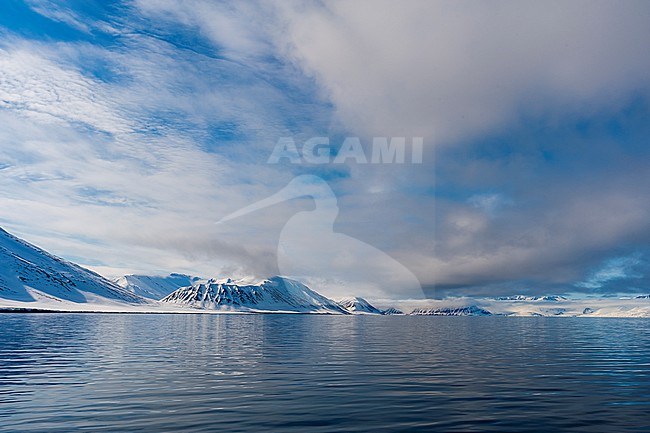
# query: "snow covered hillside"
[275,294]
[356,305]
[391,311]
[471,310]
[30,276]
[546,306]
[154,287]
[552,298]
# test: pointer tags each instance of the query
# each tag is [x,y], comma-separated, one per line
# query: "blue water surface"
[191,373]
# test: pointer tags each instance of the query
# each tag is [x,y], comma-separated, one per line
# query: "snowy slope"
[589,307]
[551,298]
[545,306]
[32,276]
[356,305]
[471,310]
[276,294]
[391,311]
[154,287]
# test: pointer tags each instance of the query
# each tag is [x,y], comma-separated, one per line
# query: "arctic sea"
[281,372]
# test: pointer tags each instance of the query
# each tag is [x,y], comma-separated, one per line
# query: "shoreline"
[20,310]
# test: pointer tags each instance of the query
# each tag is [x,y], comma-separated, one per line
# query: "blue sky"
[130,127]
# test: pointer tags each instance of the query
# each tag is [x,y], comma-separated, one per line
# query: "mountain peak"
[357,305]
[278,294]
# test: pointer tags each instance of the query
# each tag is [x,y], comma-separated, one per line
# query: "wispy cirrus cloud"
[117,146]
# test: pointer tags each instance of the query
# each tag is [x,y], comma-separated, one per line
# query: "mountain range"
[31,279]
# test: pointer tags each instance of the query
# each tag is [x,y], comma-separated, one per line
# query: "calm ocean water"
[108,372]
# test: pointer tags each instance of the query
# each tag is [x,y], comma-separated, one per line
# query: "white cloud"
[489,203]
[58,12]
[226,24]
[122,166]
[39,88]
[452,70]
[618,268]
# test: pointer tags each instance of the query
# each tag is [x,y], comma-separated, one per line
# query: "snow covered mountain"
[551,298]
[471,310]
[154,287]
[392,312]
[31,276]
[356,305]
[32,279]
[276,294]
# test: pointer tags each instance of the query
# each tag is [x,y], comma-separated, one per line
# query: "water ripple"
[322,374]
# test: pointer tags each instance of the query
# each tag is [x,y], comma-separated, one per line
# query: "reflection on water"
[109,372]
